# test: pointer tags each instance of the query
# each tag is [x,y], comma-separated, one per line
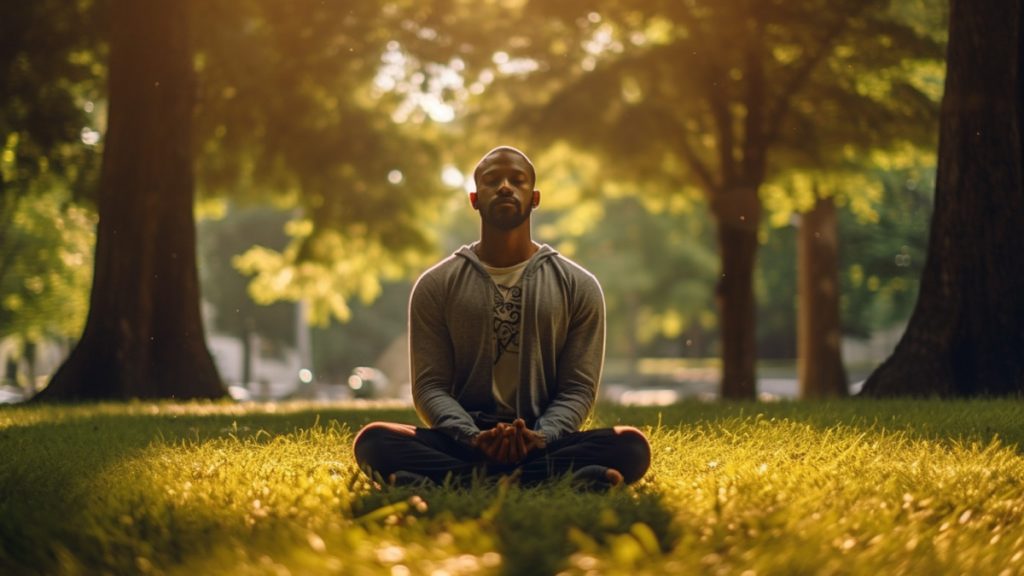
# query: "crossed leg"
[606,455]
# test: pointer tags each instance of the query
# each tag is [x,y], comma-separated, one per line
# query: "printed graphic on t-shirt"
[508,304]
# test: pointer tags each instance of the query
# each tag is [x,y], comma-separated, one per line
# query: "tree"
[295,108]
[966,334]
[287,110]
[819,366]
[143,335]
[702,92]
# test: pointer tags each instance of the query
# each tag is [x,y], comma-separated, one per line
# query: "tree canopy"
[722,96]
[344,115]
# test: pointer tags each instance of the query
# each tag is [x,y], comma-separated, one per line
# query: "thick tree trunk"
[966,336]
[819,360]
[143,336]
[738,213]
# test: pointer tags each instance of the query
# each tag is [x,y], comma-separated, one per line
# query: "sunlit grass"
[855,487]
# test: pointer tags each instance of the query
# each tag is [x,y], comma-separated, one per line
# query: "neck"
[503,248]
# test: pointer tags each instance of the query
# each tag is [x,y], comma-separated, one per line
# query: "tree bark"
[737,214]
[819,359]
[966,335]
[143,336]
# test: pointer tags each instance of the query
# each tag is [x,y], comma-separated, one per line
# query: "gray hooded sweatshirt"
[451,344]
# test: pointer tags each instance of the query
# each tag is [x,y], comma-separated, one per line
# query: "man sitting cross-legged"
[506,340]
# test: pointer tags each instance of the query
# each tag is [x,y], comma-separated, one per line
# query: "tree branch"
[754,142]
[699,167]
[782,104]
[718,102]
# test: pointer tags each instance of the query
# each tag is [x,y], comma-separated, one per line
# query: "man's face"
[504,190]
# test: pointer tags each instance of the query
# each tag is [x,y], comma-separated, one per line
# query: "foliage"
[232,228]
[675,92]
[657,271]
[724,96]
[220,239]
[50,79]
[882,260]
[47,267]
[290,110]
[339,348]
[860,486]
[882,247]
[777,295]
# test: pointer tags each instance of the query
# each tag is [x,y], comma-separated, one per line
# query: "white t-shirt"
[508,312]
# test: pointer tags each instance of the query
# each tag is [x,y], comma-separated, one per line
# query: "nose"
[505,187]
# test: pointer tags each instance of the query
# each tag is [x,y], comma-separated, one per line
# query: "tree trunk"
[247,350]
[143,336]
[819,360]
[966,335]
[738,213]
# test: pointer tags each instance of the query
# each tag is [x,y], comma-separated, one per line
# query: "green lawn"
[855,487]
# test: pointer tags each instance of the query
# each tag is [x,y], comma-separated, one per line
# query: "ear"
[536,198]
[472,199]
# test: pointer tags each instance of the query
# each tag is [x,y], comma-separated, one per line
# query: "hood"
[538,257]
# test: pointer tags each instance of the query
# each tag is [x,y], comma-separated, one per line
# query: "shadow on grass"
[57,462]
[56,466]
[538,530]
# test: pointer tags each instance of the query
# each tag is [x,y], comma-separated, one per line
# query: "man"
[506,340]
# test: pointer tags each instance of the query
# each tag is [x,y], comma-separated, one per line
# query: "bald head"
[498,151]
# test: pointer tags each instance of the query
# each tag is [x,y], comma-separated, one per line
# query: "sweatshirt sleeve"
[432,360]
[579,364]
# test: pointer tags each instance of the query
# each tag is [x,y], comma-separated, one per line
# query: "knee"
[634,452]
[371,440]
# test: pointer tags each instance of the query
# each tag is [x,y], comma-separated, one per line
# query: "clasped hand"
[508,443]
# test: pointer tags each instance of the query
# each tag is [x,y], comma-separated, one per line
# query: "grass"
[855,487]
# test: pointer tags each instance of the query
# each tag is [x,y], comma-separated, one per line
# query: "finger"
[485,443]
[534,439]
[503,450]
[482,439]
[514,453]
[521,443]
[479,439]
[513,444]
[489,444]
[496,453]
[492,452]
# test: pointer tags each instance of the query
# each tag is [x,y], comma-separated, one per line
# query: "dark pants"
[385,448]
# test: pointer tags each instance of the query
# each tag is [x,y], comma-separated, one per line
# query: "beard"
[506,220]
